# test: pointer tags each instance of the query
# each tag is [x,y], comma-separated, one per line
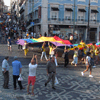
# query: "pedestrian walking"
[5,71]
[88,64]
[51,71]
[44,51]
[32,74]
[25,47]
[9,43]
[17,69]
[19,46]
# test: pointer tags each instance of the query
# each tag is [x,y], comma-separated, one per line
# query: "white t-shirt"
[32,69]
[88,58]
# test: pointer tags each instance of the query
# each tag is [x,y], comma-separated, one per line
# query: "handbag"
[24,47]
[20,78]
[56,81]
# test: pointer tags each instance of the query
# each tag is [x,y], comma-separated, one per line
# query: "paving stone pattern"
[72,86]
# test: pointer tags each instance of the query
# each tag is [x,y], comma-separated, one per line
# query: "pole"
[88,33]
[32,13]
[74,19]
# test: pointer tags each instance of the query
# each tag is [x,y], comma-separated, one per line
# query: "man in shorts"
[9,43]
[32,75]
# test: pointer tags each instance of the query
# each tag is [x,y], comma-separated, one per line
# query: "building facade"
[60,16]
[1,6]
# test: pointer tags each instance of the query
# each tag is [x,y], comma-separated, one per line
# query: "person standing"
[75,57]
[52,52]
[32,74]
[44,51]
[5,71]
[45,34]
[19,46]
[51,72]
[66,57]
[17,69]
[9,43]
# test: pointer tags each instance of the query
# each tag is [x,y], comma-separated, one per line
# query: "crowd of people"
[17,70]
[89,56]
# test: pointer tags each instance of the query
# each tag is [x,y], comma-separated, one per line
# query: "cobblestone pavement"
[72,86]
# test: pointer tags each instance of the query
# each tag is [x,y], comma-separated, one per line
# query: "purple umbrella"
[59,44]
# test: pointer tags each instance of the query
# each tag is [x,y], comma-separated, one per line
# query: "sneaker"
[45,84]
[54,88]
[90,76]
[82,73]
[94,66]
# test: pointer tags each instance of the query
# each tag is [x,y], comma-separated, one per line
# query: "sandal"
[28,93]
[32,94]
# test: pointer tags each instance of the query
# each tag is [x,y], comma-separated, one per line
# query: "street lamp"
[88,32]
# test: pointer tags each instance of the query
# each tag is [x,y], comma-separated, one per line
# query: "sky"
[7,2]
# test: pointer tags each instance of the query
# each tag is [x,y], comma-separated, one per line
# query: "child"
[75,57]
[88,64]
[66,57]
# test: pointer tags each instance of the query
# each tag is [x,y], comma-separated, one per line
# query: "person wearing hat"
[17,68]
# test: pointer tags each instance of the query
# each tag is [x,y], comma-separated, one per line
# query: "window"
[93,17]
[54,15]
[81,16]
[82,0]
[68,15]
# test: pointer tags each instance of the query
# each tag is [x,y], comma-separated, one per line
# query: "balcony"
[67,21]
[37,21]
[94,21]
[70,21]
[81,21]
[54,20]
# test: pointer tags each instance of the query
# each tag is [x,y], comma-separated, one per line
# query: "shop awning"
[68,9]
[94,11]
[55,9]
[82,10]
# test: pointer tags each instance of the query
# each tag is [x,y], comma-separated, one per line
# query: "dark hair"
[6,57]
[93,43]
[82,50]
[88,53]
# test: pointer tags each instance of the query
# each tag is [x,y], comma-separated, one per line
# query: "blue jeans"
[44,54]
[75,60]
